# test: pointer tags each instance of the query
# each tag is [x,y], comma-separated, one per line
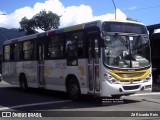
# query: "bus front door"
[41,80]
[93,64]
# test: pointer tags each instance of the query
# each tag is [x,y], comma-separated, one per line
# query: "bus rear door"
[40,71]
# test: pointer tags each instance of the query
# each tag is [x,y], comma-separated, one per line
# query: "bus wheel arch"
[73,87]
[23,82]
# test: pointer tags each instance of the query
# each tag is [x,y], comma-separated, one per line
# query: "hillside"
[6,34]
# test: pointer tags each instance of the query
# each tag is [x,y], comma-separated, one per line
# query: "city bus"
[99,58]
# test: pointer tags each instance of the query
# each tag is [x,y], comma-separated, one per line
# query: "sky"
[79,11]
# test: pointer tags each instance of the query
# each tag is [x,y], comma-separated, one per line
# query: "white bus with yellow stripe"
[101,58]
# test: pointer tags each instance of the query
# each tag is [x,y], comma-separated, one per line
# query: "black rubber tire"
[73,89]
[23,83]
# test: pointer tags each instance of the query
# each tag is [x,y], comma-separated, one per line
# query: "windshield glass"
[126,50]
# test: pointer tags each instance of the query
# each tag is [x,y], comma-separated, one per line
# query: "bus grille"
[129,75]
[130,87]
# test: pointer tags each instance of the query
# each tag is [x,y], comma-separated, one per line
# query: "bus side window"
[16,51]
[71,49]
[81,50]
[75,44]
[21,53]
[28,50]
[55,47]
[11,52]
[6,52]
[74,47]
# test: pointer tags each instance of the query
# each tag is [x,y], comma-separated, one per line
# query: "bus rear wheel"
[73,89]
[23,83]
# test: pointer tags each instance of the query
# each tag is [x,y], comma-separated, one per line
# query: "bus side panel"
[12,70]
[8,72]
[29,68]
[56,72]
[82,75]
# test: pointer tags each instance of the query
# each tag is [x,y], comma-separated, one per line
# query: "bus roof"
[125,21]
[67,29]
[23,38]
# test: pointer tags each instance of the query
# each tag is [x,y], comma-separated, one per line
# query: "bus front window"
[126,50]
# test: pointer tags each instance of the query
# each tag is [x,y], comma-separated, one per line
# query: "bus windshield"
[126,50]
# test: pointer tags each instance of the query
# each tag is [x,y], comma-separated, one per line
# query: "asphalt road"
[58,105]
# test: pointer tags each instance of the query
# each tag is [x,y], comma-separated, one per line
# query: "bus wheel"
[73,89]
[23,83]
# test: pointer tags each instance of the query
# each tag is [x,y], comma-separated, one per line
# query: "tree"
[27,25]
[47,21]
[43,20]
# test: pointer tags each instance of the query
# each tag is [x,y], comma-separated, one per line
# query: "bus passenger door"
[40,52]
[93,63]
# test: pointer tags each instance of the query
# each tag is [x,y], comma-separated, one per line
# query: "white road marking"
[33,104]
[143,94]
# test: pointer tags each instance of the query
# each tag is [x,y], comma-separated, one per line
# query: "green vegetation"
[43,20]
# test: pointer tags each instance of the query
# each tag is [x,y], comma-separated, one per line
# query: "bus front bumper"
[124,89]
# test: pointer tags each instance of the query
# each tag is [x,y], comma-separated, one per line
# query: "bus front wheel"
[73,89]
[23,82]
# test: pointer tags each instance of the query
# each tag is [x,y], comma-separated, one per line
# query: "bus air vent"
[131,87]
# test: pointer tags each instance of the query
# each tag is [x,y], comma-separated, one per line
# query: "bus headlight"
[148,78]
[110,79]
